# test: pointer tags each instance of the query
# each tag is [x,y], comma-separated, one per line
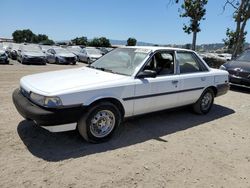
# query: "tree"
[104,42]
[28,36]
[47,42]
[100,42]
[195,10]
[131,42]
[80,41]
[241,16]
[25,35]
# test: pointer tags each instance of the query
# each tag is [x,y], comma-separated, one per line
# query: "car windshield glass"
[93,51]
[245,56]
[30,48]
[61,50]
[121,60]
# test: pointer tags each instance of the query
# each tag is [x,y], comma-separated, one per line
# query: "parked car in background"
[12,50]
[78,51]
[239,69]
[44,48]
[91,54]
[5,45]
[31,54]
[3,56]
[225,56]
[60,56]
[126,82]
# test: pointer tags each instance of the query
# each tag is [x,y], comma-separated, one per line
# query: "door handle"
[175,81]
[203,78]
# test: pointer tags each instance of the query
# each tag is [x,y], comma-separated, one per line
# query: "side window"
[162,63]
[188,63]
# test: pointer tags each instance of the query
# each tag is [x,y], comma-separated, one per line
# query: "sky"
[153,21]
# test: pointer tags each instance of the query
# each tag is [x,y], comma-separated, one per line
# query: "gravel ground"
[173,148]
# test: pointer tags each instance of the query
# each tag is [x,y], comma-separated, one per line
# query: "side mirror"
[147,74]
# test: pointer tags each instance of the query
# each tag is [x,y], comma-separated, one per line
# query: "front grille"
[70,58]
[36,60]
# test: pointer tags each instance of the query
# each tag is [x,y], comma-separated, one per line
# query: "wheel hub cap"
[102,123]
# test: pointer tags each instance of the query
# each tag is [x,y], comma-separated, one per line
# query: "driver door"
[161,92]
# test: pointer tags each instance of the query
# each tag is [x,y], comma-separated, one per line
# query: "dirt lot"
[173,148]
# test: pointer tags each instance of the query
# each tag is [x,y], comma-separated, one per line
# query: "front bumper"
[222,89]
[34,60]
[44,116]
[239,80]
[4,60]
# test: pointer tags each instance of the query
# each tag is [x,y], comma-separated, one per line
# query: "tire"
[57,61]
[205,102]
[103,114]
[88,61]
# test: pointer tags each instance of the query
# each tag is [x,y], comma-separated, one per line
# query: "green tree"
[28,36]
[47,42]
[241,16]
[131,42]
[104,42]
[25,35]
[100,42]
[195,10]
[80,41]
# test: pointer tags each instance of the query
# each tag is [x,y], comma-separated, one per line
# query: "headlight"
[49,102]
[52,102]
[222,67]
[38,99]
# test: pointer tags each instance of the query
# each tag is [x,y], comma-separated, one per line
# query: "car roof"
[155,48]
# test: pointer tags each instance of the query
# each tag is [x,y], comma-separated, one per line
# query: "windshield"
[30,48]
[93,51]
[245,56]
[61,50]
[121,60]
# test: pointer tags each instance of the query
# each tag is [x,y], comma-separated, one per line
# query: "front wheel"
[205,102]
[100,122]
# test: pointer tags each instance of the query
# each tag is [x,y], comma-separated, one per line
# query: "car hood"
[238,64]
[96,56]
[33,54]
[65,55]
[52,83]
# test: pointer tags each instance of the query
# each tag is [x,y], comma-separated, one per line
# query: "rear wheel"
[100,122]
[205,102]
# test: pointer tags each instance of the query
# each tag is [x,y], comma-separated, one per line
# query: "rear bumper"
[45,117]
[222,89]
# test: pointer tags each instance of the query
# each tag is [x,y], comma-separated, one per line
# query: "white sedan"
[125,82]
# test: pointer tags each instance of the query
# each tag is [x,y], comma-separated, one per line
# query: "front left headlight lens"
[50,102]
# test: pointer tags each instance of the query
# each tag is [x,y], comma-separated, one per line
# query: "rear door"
[194,77]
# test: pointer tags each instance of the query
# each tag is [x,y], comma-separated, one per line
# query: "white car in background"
[126,82]
[78,51]
[91,54]
[60,56]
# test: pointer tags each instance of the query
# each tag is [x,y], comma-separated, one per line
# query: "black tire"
[88,61]
[57,61]
[205,102]
[86,127]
